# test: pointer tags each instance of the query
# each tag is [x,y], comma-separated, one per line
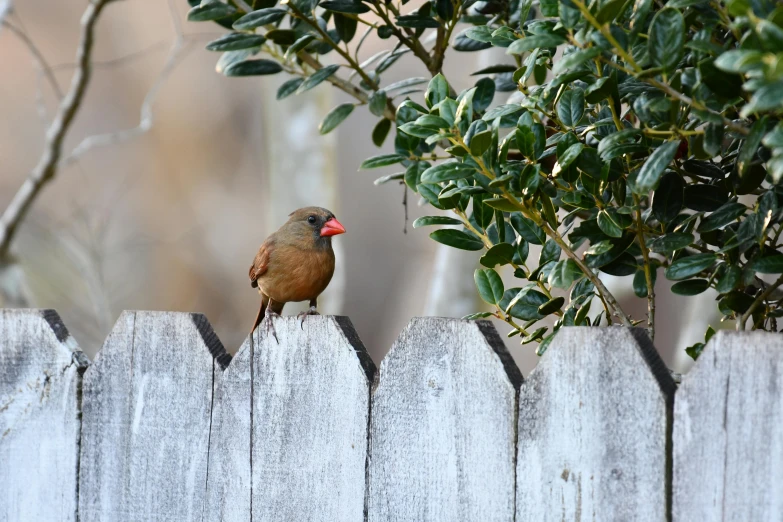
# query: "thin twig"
[647,270]
[47,166]
[761,297]
[37,56]
[146,115]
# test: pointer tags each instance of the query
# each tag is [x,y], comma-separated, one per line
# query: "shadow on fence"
[164,425]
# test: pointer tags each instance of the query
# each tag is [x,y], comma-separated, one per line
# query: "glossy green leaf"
[380,131]
[666,41]
[319,76]
[335,117]
[457,239]
[417,22]
[690,287]
[650,173]
[571,107]
[489,284]
[609,224]
[446,171]
[260,17]
[211,10]
[288,88]
[526,228]
[726,214]
[575,59]
[382,161]
[551,306]
[535,41]
[686,267]
[523,303]
[345,6]
[729,280]
[564,273]
[253,68]
[500,254]
[769,265]
[235,42]
[485,92]
[437,90]
[435,220]
[669,243]
[480,142]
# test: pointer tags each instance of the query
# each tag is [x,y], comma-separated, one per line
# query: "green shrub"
[637,138]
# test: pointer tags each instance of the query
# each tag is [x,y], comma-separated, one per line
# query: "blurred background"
[173,175]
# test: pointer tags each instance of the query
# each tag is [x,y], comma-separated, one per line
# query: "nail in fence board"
[593,420]
[301,445]
[40,381]
[728,431]
[147,408]
[443,425]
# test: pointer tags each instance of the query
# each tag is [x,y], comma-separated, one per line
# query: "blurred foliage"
[638,137]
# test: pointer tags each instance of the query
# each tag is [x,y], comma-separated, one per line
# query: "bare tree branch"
[47,166]
[146,116]
[5,8]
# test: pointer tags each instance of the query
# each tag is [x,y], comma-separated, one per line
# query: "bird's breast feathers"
[295,274]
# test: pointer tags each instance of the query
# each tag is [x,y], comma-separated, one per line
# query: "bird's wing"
[261,261]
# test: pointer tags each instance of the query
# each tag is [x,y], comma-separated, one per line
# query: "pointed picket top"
[443,425]
[728,431]
[147,409]
[593,429]
[290,437]
[40,379]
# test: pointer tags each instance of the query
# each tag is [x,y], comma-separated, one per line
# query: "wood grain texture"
[443,426]
[593,424]
[728,431]
[298,449]
[40,383]
[310,412]
[147,409]
[228,484]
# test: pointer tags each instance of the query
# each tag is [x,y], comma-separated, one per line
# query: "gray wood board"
[594,420]
[40,383]
[443,428]
[298,450]
[147,410]
[728,431]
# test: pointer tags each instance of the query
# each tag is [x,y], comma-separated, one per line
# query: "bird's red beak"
[332,228]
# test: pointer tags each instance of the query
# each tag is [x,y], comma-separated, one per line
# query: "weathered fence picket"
[593,423]
[308,398]
[147,408]
[442,431]
[165,426]
[728,432]
[40,384]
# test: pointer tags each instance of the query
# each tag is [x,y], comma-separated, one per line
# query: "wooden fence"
[163,425]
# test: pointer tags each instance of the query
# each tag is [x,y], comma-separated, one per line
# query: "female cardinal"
[295,263]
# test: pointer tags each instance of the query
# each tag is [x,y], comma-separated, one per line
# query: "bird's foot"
[269,325]
[311,311]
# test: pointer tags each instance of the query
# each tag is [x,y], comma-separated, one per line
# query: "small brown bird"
[295,263]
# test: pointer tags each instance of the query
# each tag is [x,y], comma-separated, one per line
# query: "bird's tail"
[261,312]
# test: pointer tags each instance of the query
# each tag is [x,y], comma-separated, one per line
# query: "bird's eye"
[311,220]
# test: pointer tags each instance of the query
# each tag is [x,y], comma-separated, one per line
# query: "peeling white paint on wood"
[593,430]
[728,431]
[443,426]
[40,381]
[147,404]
